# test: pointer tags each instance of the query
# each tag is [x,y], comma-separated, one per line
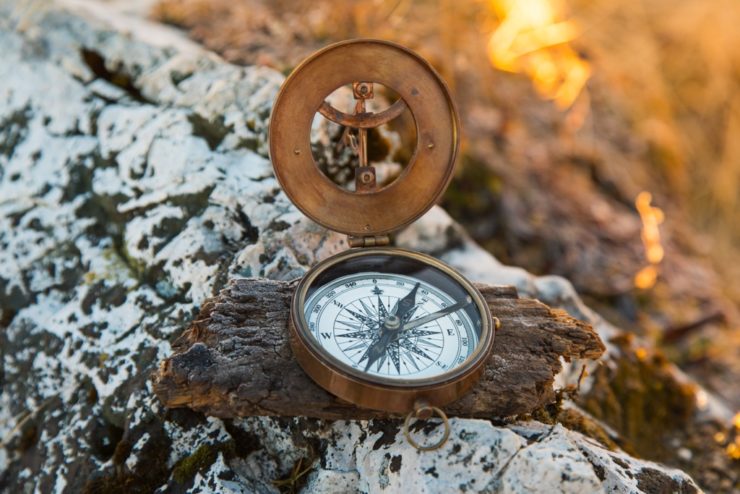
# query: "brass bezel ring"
[398,396]
[429,170]
[415,414]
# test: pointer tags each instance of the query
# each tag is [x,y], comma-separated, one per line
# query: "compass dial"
[392,317]
[350,314]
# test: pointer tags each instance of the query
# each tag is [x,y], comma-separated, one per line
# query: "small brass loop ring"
[415,414]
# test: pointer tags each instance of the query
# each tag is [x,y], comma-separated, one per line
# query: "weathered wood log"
[235,358]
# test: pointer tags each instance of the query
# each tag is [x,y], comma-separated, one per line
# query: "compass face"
[393,317]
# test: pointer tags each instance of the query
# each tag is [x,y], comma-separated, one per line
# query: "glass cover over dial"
[395,317]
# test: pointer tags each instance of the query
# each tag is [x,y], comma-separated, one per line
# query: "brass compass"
[381,327]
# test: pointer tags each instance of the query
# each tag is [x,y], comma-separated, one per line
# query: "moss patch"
[199,461]
[588,427]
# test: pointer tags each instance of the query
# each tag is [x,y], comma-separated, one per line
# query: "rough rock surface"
[133,183]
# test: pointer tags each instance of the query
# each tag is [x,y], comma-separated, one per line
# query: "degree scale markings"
[346,314]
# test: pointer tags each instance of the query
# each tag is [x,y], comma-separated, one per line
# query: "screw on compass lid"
[368,211]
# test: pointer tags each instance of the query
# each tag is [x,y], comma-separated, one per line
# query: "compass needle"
[436,315]
[380,362]
[411,313]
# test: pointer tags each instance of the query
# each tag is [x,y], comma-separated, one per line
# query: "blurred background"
[601,142]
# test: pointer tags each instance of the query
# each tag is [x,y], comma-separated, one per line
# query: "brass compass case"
[354,384]
[399,309]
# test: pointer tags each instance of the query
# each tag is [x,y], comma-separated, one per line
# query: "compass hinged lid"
[368,211]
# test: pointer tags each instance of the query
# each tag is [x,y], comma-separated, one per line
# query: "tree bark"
[235,358]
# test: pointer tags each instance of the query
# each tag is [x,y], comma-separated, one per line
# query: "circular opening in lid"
[390,146]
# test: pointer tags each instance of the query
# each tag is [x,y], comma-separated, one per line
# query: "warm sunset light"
[533,38]
[651,217]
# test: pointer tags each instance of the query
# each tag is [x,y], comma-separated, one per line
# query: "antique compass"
[381,327]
